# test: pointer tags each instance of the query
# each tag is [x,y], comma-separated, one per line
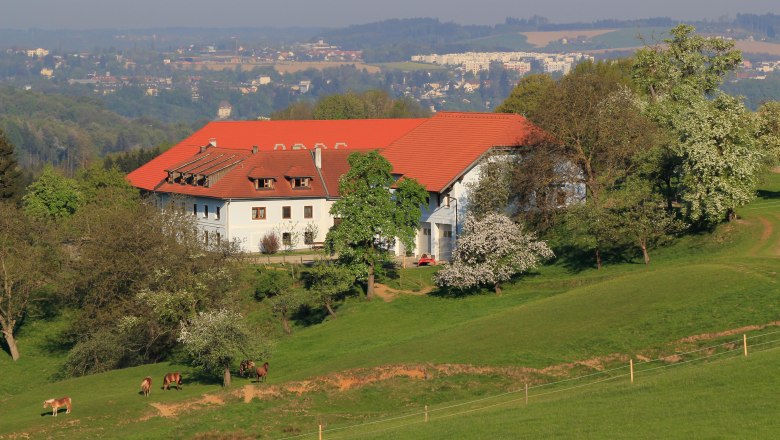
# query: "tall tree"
[373,214]
[712,153]
[52,196]
[10,176]
[22,269]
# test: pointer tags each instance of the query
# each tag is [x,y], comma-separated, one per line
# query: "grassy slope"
[702,284]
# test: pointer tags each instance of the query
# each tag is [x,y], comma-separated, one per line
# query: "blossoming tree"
[491,251]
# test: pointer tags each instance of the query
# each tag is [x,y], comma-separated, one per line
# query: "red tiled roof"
[352,134]
[444,147]
[435,151]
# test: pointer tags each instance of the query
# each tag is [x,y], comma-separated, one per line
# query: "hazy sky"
[99,14]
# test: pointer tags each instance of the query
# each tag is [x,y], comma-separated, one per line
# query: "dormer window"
[300,182]
[264,183]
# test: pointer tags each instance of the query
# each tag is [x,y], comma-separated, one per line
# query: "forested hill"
[68,131]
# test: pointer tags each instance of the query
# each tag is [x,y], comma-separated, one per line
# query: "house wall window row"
[286,212]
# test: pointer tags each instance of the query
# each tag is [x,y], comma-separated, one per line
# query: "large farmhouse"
[242,180]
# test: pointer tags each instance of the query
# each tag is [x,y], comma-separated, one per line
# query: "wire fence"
[528,392]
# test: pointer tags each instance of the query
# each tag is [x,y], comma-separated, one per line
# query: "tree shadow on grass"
[768,195]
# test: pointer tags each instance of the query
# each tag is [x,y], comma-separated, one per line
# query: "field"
[542,39]
[568,332]
[297,66]
[759,47]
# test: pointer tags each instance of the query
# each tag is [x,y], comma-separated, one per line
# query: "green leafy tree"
[768,116]
[527,95]
[346,106]
[643,219]
[327,282]
[214,340]
[10,176]
[278,288]
[52,196]
[364,235]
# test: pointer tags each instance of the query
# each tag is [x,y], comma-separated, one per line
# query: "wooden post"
[301,259]
[631,364]
[526,393]
[744,343]
[426,413]
[320,431]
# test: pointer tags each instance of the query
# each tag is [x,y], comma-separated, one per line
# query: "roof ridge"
[477,115]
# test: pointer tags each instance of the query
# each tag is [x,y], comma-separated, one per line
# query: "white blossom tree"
[491,251]
[214,339]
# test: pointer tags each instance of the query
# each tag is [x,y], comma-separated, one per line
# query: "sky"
[141,14]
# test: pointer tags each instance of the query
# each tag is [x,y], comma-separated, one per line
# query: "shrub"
[270,243]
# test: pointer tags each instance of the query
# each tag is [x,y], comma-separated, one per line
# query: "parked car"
[426,260]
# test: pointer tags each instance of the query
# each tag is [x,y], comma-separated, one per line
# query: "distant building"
[224,111]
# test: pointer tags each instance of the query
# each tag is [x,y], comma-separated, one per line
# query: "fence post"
[744,343]
[631,364]
[526,393]
[301,259]
[426,413]
[320,431]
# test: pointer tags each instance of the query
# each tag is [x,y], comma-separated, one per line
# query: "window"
[426,231]
[300,182]
[218,237]
[447,234]
[286,212]
[308,212]
[258,213]
[206,237]
[194,209]
[267,183]
[308,237]
[205,211]
[217,213]
[286,239]
[336,221]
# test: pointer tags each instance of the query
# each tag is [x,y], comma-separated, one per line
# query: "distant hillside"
[68,131]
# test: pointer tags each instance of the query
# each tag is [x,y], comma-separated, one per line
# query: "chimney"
[213,142]
[254,149]
[318,157]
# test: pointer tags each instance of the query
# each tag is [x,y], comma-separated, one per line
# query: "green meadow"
[568,331]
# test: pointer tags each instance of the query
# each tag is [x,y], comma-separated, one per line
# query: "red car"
[426,260]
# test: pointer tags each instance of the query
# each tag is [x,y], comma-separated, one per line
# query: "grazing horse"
[246,368]
[146,386]
[55,405]
[172,379]
[262,372]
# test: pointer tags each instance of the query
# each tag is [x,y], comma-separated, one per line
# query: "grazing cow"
[246,368]
[262,372]
[146,386]
[55,405]
[172,379]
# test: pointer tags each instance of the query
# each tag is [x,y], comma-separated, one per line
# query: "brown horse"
[246,368]
[262,372]
[172,379]
[146,386]
[55,405]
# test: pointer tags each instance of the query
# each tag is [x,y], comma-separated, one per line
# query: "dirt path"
[387,294]
[766,233]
